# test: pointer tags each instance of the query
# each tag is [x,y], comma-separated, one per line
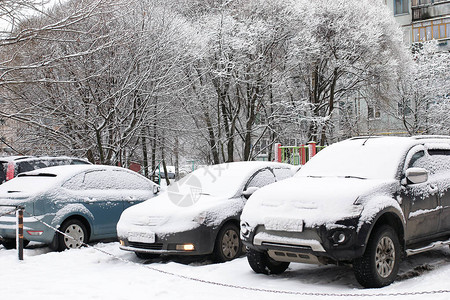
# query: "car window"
[130,181]
[415,158]
[25,166]
[75,183]
[108,180]
[437,161]
[282,173]
[3,168]
[98,180]
[261,179]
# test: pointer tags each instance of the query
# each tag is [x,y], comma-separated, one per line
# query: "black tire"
[228,245]
[11,243]
[143,255]
[261,263]
[379,265]
[76,229]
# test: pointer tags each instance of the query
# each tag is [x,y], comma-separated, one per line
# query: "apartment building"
[423,20]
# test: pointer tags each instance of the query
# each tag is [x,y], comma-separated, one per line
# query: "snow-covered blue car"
[83,201]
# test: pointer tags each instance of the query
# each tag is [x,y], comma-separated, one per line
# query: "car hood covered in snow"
[163,216]
[315,200]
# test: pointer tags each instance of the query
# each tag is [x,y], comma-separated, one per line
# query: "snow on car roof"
[365,157]
[41,180]
[64,171]
[226,179]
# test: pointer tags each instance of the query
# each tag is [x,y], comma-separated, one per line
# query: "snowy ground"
[91,274]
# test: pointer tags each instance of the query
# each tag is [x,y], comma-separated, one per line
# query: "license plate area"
[284,224]
[142,237]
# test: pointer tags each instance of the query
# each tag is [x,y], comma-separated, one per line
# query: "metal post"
[312,149]
[303,154]
[19,235]
[278,152]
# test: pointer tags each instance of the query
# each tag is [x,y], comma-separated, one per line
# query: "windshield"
[218,180]
[374,159]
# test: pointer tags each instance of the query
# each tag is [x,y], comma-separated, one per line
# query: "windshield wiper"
[356,177]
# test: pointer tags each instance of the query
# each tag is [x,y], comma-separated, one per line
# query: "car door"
[103,201]
[440,169]
[133,188]
[421,202]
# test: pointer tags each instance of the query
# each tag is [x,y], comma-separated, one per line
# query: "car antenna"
[363,144]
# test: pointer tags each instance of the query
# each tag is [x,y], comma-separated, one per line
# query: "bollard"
[19,235]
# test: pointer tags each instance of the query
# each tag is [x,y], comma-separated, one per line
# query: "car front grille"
[155,246]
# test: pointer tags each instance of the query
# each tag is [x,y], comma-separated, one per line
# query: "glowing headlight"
[185,247]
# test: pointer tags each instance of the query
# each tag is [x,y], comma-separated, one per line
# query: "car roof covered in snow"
[367,157]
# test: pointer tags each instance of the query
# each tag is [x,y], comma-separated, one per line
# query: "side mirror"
[156,189]
[416,175]
[249,191]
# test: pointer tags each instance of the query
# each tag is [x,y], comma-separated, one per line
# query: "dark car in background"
[11,166]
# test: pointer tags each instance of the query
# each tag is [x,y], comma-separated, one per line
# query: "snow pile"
[89,274]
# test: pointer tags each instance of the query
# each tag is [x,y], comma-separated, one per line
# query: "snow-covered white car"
[367,201]
[83,201]
[199,214]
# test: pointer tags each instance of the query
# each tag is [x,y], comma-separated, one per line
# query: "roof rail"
[423,137]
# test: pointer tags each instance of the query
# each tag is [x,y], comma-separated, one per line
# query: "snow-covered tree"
[341,47]
[423,92]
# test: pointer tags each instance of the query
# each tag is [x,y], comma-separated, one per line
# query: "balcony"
[428,9]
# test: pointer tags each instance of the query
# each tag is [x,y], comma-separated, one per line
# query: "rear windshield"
[29,184]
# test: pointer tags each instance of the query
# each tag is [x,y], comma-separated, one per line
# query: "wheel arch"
[219,257]
[227,221]
[55,244]
[391,217]
[75,211]
[83,220]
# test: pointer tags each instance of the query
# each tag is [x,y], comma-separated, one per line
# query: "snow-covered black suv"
[366,201]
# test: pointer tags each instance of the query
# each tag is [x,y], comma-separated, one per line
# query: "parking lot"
[103,271]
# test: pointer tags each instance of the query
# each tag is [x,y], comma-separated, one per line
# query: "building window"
[431,30]
[404,108]
[400,7]
[373,113]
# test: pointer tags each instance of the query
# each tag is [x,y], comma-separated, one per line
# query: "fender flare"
[72,210]
[385,216]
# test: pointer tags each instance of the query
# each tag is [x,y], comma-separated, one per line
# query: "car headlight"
[357,209]
[200,219]
[245,229]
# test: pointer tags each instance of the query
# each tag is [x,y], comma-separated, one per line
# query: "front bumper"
[202,238]
[311,245]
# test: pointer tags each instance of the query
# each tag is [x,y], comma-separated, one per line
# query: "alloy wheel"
[385,257]
[230,243]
